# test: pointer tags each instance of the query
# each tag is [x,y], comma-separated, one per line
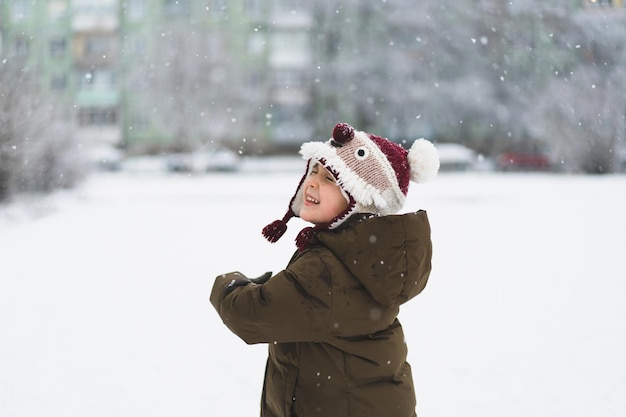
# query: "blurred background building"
[151,76]
[160,73]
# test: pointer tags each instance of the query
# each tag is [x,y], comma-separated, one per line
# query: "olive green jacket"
[336,348]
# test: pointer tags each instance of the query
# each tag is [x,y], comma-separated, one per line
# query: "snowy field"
[104,307]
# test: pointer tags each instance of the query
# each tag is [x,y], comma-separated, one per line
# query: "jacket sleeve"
[293,306]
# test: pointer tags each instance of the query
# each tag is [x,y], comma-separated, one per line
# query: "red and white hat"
[373,173]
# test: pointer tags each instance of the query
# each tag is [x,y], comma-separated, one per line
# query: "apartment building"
[72,46]
[236,69]
[159,74]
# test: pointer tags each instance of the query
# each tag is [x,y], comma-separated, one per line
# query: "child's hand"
[242,281]
[262,279]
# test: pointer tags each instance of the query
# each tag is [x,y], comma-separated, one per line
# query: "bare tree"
[494,75]
[581,114]
[37,145]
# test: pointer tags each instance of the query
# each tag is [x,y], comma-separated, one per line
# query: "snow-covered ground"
[104,290]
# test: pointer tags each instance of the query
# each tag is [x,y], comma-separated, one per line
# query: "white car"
[105,158]
[214,159]
[456,157]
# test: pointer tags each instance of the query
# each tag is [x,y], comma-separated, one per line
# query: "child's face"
[323,199]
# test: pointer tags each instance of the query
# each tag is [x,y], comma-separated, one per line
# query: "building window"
[136,45]
[290,49]
[93,116]
[20,10]
[287,78]
[291,6]
[217,7]
[215,45]
[135,9]
[99,79]
[58,47]
[253,8]
[97,46]
[57,9]
[176,8]
[21,46]
[256,44]
[139,121]
[58,82]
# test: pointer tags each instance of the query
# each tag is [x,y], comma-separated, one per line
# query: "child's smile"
[311,200]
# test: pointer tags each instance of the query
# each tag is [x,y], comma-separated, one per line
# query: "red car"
[514,161]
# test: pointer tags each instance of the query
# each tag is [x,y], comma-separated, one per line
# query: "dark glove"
[262,279]
[242,281]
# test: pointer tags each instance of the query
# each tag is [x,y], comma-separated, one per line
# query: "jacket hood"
[390,255]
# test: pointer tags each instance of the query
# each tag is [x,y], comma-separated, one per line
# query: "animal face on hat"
[373,171]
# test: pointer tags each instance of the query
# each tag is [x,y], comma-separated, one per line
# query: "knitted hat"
[373,174]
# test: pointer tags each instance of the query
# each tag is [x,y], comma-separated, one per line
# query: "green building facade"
[150,74]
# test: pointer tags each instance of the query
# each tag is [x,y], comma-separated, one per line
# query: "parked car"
[456,157]
[520,161]
[214,159]
[105,158]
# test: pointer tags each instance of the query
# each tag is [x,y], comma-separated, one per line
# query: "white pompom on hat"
[372,171]
[423,160]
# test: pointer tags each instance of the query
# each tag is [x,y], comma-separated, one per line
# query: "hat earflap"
[423,160]
[275,230]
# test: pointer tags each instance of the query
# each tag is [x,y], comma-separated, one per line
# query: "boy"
[336,348]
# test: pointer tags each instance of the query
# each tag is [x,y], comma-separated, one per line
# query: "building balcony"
[94,22]
[97,98]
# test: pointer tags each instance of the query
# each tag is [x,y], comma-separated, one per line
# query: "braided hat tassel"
[275,230]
